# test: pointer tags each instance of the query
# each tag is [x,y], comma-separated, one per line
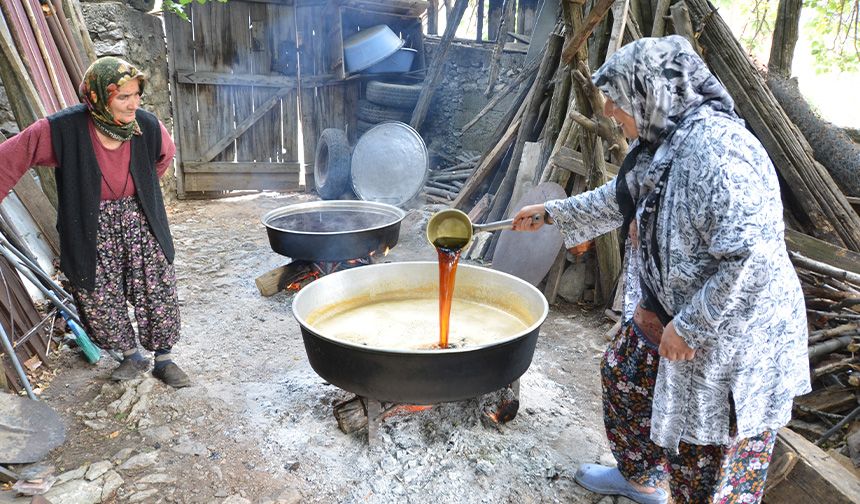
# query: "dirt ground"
[257,425]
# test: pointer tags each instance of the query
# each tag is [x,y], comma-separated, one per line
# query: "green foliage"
[760,16]
[834,34]
[178,6]
[830,27]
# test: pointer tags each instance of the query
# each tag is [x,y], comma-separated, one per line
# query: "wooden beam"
[658,29]
[44,214]
[243,126]
[803,472]
[597,13]
[620,12]
[571,160]
[822,251]
[434,73]
[277,81]
[241,167]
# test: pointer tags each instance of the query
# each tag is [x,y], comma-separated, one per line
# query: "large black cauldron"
[420,376]
[333,230]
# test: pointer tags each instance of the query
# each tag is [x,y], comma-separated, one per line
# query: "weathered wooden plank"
[822,251]
[620,11]
[213,54]
[411,8]
[265,134]
[252,79]
[284,30]
[803,472]
[43,213]
[180,43]
[242,181]
[239,26]
[571,160]
[240,167]
[309,65]
[212,152]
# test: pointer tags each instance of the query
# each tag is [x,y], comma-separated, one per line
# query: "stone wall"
[461,96]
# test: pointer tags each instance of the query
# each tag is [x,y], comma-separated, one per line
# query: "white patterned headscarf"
[659,81]
[666,87]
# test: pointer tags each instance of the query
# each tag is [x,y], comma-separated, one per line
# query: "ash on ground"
[257,426]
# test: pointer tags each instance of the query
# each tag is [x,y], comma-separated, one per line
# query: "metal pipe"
[35,281]
[10,351]
[36,269]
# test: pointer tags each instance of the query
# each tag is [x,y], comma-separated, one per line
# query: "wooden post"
[577,41]
[433,17]
[658,29]
[683,24]
[498,48]
[480,35]
[434,73]
[620,12]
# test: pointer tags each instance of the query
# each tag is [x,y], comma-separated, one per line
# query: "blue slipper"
[609,481]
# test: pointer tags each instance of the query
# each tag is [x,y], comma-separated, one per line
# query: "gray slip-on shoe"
[609,481]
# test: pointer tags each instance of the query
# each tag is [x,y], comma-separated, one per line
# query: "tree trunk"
[784,38]
[831,146]
[823,207]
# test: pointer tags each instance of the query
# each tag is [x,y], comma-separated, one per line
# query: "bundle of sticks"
[444,183]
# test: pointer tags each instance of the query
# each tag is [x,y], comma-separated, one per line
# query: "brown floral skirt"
[696,474]
[131,269]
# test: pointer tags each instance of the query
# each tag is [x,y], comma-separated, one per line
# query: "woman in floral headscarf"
[713,350]
[115,243]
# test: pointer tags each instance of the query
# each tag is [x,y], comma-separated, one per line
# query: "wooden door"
[235,84]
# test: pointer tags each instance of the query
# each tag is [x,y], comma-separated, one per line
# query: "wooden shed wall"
[246,75]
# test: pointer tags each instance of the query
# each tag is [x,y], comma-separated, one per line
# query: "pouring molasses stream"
[450,231]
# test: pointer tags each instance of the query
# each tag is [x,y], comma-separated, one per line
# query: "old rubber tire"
[373,113]
[403,96]
[331,164]
[362,127]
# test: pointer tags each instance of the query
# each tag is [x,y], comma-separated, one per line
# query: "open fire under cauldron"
[419,376]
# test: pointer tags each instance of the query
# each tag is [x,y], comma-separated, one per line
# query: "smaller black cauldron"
[336,230]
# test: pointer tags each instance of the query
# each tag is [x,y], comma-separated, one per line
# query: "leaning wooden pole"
[827,213]
[434,74]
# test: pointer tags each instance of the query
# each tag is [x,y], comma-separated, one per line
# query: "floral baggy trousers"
[697,473]
[131,269]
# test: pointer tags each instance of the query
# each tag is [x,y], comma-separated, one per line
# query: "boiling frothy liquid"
[448,249]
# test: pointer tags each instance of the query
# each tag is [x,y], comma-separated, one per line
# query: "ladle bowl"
[452,228]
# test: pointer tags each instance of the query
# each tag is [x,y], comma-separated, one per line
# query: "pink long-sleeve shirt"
[33,147]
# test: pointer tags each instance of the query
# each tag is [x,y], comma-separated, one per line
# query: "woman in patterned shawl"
[713,351]
[115,243]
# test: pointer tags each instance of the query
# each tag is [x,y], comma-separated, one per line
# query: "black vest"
[79,183]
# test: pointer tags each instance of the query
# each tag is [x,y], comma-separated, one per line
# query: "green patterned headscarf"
[100,85]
